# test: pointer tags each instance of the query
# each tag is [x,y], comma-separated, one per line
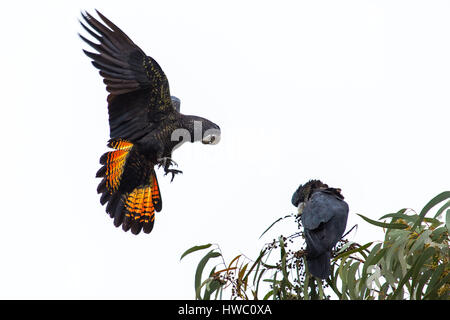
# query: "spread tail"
[130,188]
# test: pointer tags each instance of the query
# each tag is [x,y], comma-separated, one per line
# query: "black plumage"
[143,118]
[324,218]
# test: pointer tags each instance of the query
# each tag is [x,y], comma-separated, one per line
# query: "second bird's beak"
[300,208]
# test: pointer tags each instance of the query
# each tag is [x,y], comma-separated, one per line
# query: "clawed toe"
[166,162]
[173,172]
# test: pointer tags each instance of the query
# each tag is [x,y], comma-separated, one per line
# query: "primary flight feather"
[143,120]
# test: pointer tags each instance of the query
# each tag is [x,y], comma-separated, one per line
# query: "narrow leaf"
[201,265]
[349,252]
[400,214]
[439,198]
[414,271]
[447,220]
[268,294]
[384,225]
[439,212]
[242,271]
[433,292]
[195,248]
[234,259]
[279,219]
[351,280]
[223,270]
[261,254]
[432,285]
[421,283]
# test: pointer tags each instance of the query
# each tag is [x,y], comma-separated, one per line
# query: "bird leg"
[166,162]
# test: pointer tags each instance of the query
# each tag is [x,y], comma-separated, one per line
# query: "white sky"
[355,93]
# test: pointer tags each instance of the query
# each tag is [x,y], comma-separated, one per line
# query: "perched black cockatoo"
[145,126]
[324,217]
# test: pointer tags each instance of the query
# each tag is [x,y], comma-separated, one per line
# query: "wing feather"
[127,72]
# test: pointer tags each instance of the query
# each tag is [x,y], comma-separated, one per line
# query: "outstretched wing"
[139,95]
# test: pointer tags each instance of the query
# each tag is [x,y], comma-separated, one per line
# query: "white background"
[355,93]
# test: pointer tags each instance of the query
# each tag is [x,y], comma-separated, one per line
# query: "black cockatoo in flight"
[324,217]
[145,126]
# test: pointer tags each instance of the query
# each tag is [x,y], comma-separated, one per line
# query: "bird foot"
[166,162]
[173,172]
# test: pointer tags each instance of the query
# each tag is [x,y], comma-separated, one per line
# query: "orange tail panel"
[140,211]
[156,195]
